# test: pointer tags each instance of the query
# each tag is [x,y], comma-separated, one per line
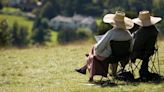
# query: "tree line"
[98,8]
[19,36]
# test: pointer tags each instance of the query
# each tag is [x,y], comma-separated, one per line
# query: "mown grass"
[51,69]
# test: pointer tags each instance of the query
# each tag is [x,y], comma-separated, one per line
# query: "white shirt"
[102,48]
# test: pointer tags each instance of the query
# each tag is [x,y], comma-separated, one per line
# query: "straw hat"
[144,19]
[119,20]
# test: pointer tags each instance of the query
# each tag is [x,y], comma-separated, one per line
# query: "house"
[72,23]
[62,23]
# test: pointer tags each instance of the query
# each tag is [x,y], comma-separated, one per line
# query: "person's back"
[97,58]
[144,40]
[117,34]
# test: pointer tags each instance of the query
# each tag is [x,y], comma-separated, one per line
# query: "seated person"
[102,50]
[144,40]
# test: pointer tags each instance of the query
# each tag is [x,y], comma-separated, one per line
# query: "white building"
[72,23]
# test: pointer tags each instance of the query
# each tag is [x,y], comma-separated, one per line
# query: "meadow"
[20,20]
[51,69]
[23,21]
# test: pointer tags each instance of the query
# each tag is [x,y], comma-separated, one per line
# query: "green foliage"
[23,21]
[4,32]
[37,23]
[49,10]
[41,23]
[103,28]
[17,35]
[40,36]
[66,36]
[20,35]
[1,6]
[41,33]
[83,33]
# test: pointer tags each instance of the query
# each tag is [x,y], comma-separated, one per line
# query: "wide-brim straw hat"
[119,20]
[144,19]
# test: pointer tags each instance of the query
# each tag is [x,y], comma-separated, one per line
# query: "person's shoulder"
[110,31]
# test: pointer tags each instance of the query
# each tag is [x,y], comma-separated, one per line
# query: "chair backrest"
[144,42]
[120,49]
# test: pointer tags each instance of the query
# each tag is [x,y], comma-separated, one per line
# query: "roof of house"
[62,19]
[75,18]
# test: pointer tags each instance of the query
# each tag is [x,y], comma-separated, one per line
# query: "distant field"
[51,69]
[20,20]
[25,22]
[10,9]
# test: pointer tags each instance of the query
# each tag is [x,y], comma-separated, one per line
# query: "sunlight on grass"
[20,20]
[10,9]
[51,69]
[54,36]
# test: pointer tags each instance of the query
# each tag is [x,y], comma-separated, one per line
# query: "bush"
[103,28]
[41,32]
[5,33]
[83,33]
[66,36]
[20,35]
[40,36]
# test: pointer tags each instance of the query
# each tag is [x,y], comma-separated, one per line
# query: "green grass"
[54,36]
[25,22]
[10,9]
[11,19]
[51,69]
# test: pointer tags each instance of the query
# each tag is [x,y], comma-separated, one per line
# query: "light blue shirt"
[102,47]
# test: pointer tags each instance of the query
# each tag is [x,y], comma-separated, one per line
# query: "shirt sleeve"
[103,44]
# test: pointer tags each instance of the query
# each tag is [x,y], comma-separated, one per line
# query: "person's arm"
[103,43]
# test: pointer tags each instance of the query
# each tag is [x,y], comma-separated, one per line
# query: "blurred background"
[48,22]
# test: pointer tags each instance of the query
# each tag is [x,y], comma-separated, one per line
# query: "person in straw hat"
[102,50]
[144,40]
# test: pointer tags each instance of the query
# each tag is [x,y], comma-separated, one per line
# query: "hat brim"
[152,21]
[127,23]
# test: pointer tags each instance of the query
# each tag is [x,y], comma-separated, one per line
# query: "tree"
[40,36]
[41,32]
[49,10]
[103,28]
[5,33]
[20,35]
[68,9]
[1,6]
[37,23]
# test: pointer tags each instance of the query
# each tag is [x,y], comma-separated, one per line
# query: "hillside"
[51,69]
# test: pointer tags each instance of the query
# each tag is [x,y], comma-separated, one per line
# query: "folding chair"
[153,62]
[120,53]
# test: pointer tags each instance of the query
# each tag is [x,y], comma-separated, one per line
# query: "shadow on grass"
[108,83]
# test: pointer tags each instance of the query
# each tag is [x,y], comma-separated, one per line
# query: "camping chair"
[120,54]
[153,62]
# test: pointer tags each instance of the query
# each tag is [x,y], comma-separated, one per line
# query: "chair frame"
[152,59]
[124,47]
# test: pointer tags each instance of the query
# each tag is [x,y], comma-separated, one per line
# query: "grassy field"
[51,69]
[20,20]
[25,22]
